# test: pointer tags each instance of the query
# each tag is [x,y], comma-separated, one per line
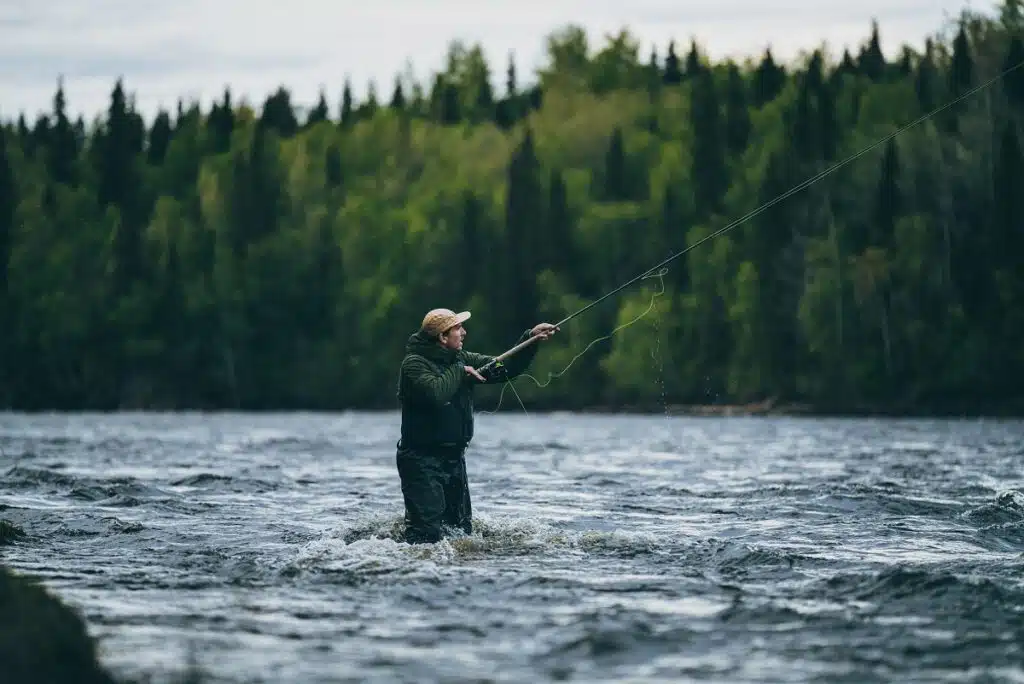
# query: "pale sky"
[191,49]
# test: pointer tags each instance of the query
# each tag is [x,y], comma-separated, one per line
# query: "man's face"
[453,338]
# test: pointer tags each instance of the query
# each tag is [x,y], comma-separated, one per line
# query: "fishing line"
[660,275]
[752,214]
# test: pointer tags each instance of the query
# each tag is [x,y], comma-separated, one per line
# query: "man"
[435,389]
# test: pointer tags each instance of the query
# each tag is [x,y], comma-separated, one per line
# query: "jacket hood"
[420,343]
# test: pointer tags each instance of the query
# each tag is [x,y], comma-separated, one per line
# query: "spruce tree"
[523,220]
[318,113]
[871,61]
[347,115]
[159,138]
[709,170]
[615,175]
[926,80]
[397,97]
[63,144]
[737,112]
[769,80]
[673,71]
[889,202]
[1013,83]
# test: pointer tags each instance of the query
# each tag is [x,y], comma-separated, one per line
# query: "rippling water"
[607,548]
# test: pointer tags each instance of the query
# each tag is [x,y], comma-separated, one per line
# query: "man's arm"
[427,384]
[507,369]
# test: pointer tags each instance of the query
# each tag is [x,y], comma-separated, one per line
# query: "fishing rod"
[764,207]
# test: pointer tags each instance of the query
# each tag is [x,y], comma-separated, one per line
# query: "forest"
[266,256]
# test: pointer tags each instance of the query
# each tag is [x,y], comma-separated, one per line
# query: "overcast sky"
[191,49]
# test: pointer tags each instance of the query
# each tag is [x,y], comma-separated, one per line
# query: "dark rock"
[43,641]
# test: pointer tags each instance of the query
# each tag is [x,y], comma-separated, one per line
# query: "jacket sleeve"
[422,382]
[508,369]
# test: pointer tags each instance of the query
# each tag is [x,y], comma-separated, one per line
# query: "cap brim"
[463,316]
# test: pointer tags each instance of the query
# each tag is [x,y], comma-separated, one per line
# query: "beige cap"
[438,321]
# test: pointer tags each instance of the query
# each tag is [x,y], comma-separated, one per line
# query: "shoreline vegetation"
[262,256]
[771,407]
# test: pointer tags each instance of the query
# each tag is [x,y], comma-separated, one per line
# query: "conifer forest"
[266,256]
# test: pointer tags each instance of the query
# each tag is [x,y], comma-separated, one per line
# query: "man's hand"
[475,373]
[543,330]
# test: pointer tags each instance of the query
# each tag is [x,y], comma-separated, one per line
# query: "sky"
[192,49]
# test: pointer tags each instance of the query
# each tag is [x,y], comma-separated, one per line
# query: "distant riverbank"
[1011,409]
[768,407]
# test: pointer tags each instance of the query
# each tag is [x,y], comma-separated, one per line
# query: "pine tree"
[279,115]
[961,77]
[806,133]
[905,67]
[1013,83]
[319,113]
[871,61]
[1002,258]
[694,66]
[40,137]
[8,202]
[769,80]
[523,220]
[370,105]
[710,173]
[159,138]
[221,124]
[116,150]
[346,116]
[484,104]
[889,203]
[926,81]
[737,112]
[559,234]
[256,193]
[672,238]
[961,74]
[1007,242]
[398,97]
[63,145]
[673,71]
[615,175]
[766,242]
[332,166]
[847,67]
[511,84]
[1011,16]
[652,74]
[828,123]
[24,135]
[450,112]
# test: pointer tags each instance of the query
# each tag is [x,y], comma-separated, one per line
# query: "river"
[607,548]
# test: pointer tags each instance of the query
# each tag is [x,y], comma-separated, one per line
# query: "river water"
[608,548]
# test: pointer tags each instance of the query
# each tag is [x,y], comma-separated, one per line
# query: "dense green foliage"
[267,258]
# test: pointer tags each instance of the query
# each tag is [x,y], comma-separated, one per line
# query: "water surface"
[641,548]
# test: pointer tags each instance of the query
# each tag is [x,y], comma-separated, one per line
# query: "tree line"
[248,257]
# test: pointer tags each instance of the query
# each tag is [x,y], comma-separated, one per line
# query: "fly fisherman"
[435,389]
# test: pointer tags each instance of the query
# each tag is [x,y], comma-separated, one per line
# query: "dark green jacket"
[436,393]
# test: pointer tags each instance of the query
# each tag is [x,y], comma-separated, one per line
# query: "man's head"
[446,327]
